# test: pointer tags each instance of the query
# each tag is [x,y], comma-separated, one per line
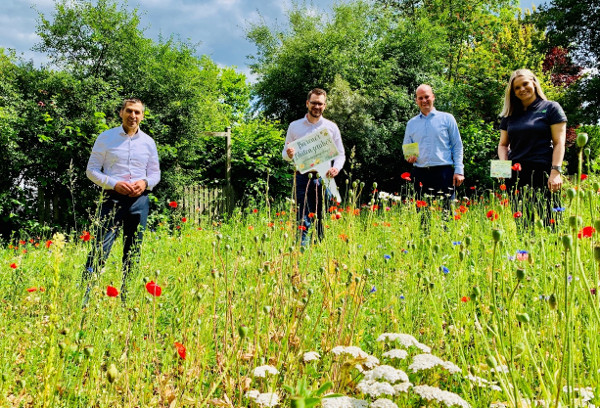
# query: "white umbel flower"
[343,402]
[427,361]
[262,371]
[402,387]
[267,399]
[405,340]
[375,388]
[311,356]
[371,362]
[349,350]
[252,394]
[384,403]
[387,373]
[482,382]
[398,354]
[446,397]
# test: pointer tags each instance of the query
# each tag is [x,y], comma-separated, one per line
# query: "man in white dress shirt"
[309,191]
[124,162]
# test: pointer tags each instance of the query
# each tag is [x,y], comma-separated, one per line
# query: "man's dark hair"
[316,91]
[132,100]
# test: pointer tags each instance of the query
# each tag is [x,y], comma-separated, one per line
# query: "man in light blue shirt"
[439,167]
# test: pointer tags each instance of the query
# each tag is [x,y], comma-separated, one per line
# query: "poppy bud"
[587,151]
[354,184]
[523,317]
[571,193]
[436,248]
[567,241]
[310,291]
[243,331]
[267,309]
[491,361]
[375,185]
[552,301]
[362,184]
[228,247]
[112,374]
[597,253]
[582,139]
[309,176]
[575,221]
[357,279]
[467,241]
[497,235]
[539,224]
[461,255]
[520,274]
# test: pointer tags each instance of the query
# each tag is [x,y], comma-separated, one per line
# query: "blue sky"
[217,25]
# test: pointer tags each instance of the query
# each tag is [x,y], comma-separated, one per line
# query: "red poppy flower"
[153,288]
[518,214]
[516,167]
[173,204]
[180,350]
[472,187]
[357,211]
[420,184]
[184,219]
[584,176]
[421,203]
[503,187]
[31,290]
[457,217]
[13,265]
[255,210]
[301,227]
[492,215]
[48,243]
[311,215]
[586,232]
[85,236]
[343,237]
[42,289]
[250,227]
[111,291]
[552,221]
[405,176]
[465,299]
[21,242]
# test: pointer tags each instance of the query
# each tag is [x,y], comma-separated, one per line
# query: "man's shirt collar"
[432,112]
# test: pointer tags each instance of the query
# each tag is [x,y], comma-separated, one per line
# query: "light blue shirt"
[438,138]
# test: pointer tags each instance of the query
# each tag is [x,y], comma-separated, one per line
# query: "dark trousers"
[435,181]
[117,210]
[309,202]
[530,194]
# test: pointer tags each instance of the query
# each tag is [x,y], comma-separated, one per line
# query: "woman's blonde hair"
[510,99]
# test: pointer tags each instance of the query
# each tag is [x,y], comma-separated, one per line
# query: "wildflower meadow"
[473,311]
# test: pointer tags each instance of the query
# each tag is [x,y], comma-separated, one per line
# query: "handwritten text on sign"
[314,149]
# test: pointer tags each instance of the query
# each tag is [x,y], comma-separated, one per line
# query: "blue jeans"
[309,200]
[117,210]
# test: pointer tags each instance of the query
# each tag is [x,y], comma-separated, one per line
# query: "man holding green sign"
[315,145]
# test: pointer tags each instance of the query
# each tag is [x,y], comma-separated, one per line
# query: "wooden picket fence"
[205,201]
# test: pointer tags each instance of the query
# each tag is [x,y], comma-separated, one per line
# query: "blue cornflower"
[445,270]
[558,209]
[386,256]
[89,269]
[373,290]
[455,243]
[405,251]
[401,297]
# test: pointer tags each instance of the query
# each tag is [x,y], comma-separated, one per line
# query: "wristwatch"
[557,168]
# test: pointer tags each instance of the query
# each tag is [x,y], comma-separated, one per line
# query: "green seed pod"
[112,373]
[243,331]
[523,317]
[302,249]
[461,255]
[374,185]
[362,184]
[567,241]
[497,235]
[571,193]
[520,274]
[354,184]
[468,241]
[552,301]
[436,248]
[582,139]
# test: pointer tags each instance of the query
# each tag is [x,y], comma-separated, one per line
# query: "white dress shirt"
[302,127]
[116,156]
